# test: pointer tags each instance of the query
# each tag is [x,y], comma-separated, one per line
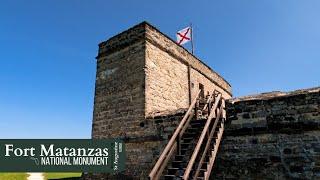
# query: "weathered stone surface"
[274,112]
[271,136]
[118,103]
[167,82]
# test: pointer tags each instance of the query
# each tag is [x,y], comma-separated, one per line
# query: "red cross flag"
[184,35]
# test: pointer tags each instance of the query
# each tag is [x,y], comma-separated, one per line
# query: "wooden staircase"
[192,149]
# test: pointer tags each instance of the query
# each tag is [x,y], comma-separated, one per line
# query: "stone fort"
[178,118]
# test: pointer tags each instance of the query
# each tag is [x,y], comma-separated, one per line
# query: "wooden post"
[179,144]
[189,83]
[209,107]
[196,109]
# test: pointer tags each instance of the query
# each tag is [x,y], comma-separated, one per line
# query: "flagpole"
[191,37]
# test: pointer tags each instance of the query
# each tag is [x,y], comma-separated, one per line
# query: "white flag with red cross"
[184,35]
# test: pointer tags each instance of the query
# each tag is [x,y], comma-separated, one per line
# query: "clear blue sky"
[48,50]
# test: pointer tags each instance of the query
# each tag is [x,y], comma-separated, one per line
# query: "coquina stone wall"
[142,92]
[271,136]
[171,71]
[167,85]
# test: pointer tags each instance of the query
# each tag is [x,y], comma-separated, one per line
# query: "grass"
[23,176]
[57,175]
[13,176]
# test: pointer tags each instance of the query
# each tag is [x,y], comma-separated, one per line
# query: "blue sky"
[48,50]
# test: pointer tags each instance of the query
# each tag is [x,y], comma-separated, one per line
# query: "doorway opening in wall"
[201,87]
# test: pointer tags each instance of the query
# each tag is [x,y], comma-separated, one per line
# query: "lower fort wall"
[271,136]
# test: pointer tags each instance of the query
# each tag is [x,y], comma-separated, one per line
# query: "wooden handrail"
[186,125]
[200,141]
[161,163]
[208,101]
[166,159]
[219,113]
[214,153]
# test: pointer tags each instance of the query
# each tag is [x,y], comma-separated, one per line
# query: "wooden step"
[191,134]
[185,145]
[172,177]
[169,177]
[198,125]
[193,129]
[179,157]
[201,172]
[187,139]
[184,151]
[178,164]
[199,121]
[172,170]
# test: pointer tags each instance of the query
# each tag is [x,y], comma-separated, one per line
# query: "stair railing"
[220,113]
[215,151]
[202,136]
[208,103]
[174,141]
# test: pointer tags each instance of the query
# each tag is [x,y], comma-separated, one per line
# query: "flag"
[184,35]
